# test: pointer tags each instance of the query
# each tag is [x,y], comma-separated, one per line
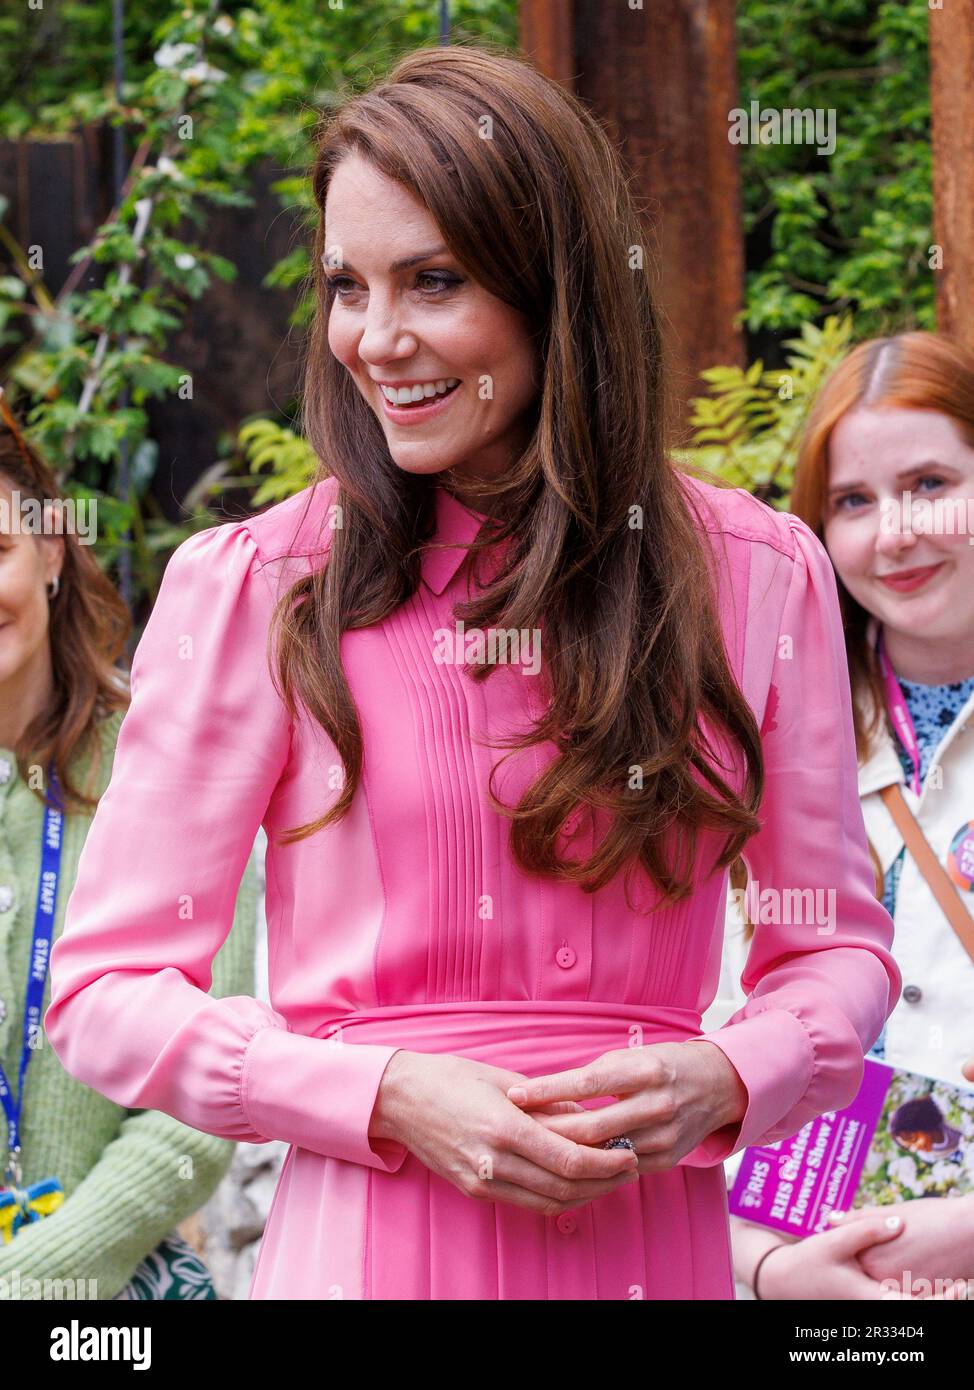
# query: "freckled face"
[917,584]
[424,326]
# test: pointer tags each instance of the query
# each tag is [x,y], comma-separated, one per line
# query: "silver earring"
[54,586]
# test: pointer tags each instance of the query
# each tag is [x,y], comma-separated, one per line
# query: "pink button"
[566,1223]
[566,957]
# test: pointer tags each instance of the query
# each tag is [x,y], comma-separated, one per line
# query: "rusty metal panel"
[952,108]
[663,78]
[546,34]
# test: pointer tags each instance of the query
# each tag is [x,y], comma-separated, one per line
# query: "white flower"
[170,55]
[185,261]
[202,72]
[903,1171]
[169,167]
[223,25]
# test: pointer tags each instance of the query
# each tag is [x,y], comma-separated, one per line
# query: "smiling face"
[919,584]
[408,321]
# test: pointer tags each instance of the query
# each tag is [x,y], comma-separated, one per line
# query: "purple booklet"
[904,1136]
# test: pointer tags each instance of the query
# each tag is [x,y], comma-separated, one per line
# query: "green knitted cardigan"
[129,1176]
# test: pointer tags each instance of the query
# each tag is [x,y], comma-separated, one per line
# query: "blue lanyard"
[37,970]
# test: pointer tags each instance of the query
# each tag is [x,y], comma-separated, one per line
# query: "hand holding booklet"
[904,1136]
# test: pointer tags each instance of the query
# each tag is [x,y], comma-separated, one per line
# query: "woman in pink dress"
[501,782]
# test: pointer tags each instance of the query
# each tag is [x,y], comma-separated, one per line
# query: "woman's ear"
[53,554]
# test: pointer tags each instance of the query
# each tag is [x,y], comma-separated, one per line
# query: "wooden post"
[663,78]
[952,108]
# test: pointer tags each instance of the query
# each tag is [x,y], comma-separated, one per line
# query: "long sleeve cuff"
[301,1089]
[230,1067]
[796,1062]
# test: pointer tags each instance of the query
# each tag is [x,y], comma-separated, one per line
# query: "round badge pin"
[960,857]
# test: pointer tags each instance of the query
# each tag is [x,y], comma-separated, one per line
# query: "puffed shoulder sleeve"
[819,975]
[203,744]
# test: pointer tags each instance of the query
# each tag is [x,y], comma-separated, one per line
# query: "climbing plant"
[747,427]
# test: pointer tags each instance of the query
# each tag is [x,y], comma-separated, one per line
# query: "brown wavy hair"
[89,627]
[913,371]
[634,653]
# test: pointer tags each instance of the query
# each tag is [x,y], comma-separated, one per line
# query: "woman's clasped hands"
[670,1097]
[500,1136]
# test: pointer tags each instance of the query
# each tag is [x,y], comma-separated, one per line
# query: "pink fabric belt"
[531,1036]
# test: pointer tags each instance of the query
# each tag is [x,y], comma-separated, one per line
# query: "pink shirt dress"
[409,925]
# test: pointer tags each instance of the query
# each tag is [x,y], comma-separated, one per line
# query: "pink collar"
[456,524]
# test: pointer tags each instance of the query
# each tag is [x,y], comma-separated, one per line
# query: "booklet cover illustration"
[904,1136]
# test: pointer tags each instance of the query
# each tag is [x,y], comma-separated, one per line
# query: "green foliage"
[290,458]
[748,427]
[850,231]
